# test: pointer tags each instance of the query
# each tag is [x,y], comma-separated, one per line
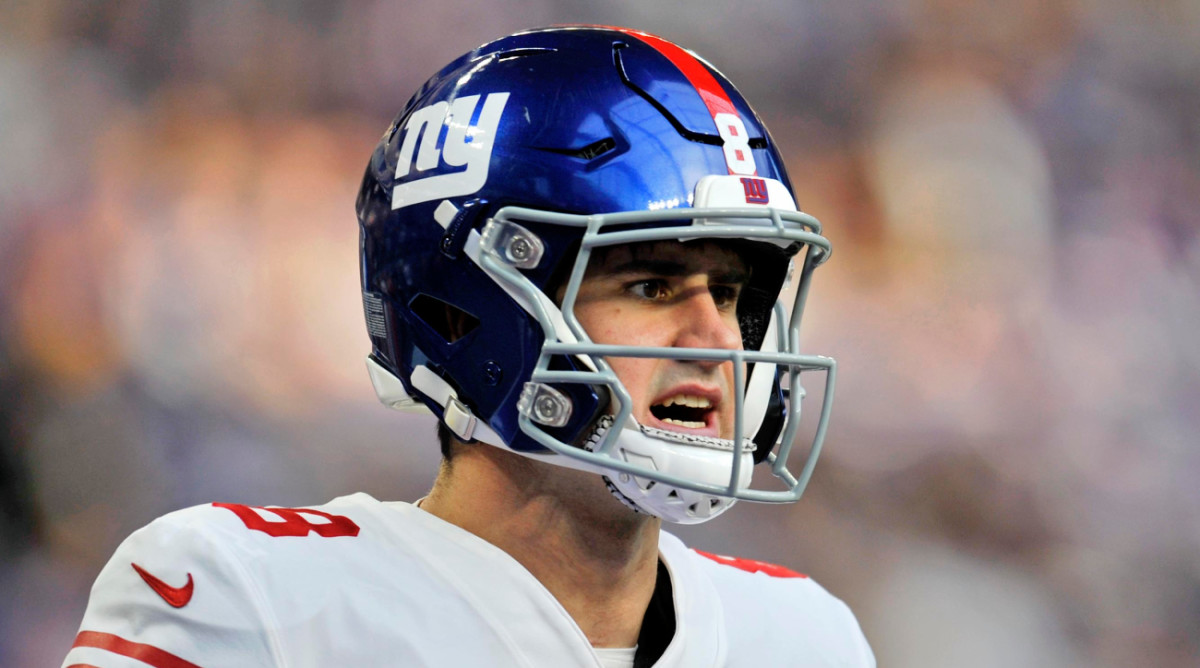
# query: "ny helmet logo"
[465,145]
[756,191]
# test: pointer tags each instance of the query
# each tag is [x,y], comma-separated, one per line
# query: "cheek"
[635,375]
[599,322]
[616,325]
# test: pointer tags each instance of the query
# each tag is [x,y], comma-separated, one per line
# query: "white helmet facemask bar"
[565,336]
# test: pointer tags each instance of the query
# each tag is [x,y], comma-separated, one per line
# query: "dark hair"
[445,438]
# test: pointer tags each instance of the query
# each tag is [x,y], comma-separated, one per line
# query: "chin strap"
[602,426]
[457,416]
[455,413]
[676,505]
[711,442]
[625,500]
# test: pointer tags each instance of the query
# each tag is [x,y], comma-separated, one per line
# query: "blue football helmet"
[486,197]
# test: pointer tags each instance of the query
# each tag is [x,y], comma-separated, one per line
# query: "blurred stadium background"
[1013,193]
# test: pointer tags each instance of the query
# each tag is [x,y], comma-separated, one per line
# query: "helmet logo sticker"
[465,145]
[756,190]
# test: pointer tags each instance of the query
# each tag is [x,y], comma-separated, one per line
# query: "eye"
[653,289]
[725,296]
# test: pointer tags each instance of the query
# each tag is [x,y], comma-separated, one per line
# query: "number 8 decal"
[737,144]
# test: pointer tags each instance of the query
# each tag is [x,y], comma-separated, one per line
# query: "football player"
[581,252]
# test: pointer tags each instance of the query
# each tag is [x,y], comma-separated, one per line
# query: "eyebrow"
[671,268]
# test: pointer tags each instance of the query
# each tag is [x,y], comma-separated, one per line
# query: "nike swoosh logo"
[175,596]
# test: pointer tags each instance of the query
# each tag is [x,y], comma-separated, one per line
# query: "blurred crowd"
[1012,191]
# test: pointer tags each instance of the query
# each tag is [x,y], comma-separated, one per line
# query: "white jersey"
[358,582]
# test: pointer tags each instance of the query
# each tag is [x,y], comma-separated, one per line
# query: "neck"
[595,556]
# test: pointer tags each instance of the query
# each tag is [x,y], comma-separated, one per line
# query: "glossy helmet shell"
[595,120]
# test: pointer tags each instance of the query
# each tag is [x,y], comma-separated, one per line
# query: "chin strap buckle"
[465,425]
[459,419]
[455,413]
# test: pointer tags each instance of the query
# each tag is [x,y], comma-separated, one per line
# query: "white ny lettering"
[466,145]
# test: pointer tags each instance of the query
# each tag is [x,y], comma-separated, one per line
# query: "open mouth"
[684,410]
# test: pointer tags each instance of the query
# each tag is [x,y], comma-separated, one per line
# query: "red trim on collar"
[752,565]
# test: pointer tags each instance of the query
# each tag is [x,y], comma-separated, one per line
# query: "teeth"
[687,400]
[685,423]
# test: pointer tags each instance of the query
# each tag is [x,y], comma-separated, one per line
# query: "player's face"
[669,294]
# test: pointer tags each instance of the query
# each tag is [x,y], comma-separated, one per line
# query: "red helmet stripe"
[714,96]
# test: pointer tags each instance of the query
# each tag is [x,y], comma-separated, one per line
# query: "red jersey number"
[292,521]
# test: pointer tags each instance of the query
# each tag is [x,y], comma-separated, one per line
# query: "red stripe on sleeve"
[148,654]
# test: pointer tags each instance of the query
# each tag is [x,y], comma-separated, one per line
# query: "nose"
[703,324]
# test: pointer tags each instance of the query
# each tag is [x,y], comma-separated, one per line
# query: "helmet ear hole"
[450,322]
